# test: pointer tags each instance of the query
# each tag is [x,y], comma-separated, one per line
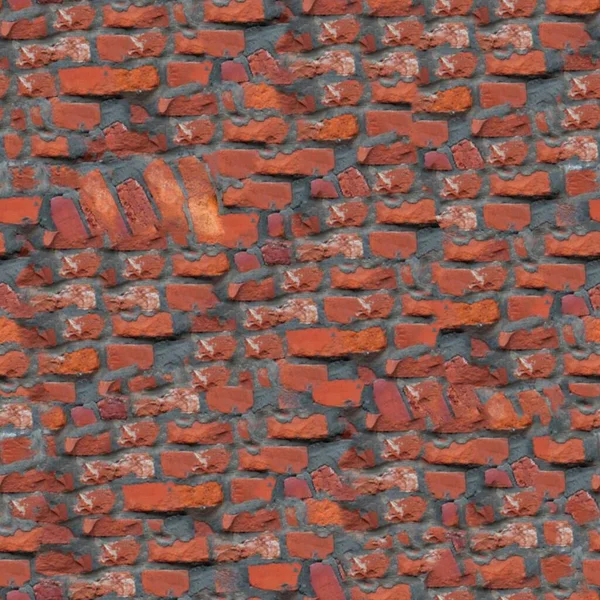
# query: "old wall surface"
[298,299]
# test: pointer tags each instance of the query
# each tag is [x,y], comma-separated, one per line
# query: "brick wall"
[297,299]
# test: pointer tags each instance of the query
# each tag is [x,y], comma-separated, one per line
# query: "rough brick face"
[298,299]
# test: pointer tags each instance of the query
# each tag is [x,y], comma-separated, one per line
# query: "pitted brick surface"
[299,299]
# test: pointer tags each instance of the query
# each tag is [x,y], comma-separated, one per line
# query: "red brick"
[126,355]
[77,116]
[275,576]
[258,194]
[332,342]
[278,459]
[309,545]
[551,276]
[136,17]
[507,217]
[212,42]
[20,210]
[313,427]
[190,297]
[166,583]
[245,490]
[250,11]
[494,94]
[184,73]
[531,63]
[14,573]
[572,7]
[167,497]
[272,130]
[559,36]
[393,245]
[480,451]
[24,29]
[103,81]
[339,392]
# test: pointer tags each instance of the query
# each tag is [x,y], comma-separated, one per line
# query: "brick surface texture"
[300,299]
